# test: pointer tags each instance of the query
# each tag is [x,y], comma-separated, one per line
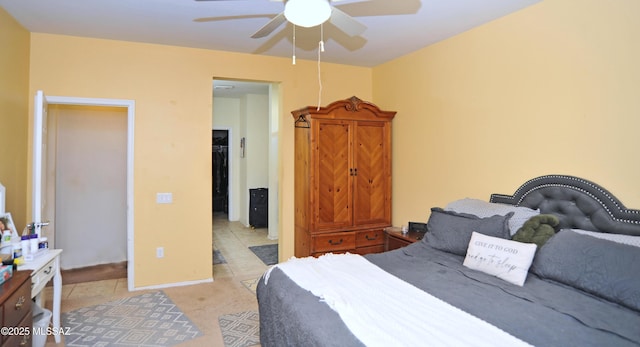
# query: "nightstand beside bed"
[394,238]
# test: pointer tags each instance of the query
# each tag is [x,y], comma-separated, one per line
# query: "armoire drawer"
[366,238]
[369,249]
[334,242]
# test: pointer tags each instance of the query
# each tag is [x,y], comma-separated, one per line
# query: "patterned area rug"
[240,329]
[267,253]
[251,284]
[150,319]
[218,258]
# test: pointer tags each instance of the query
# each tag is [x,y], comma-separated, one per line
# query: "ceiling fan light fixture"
[307,13]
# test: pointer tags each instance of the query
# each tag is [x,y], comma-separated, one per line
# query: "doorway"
[44,164]
[90,146]
[246,112]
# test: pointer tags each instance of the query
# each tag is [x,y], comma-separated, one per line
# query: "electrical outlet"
[160,252]
[164,198]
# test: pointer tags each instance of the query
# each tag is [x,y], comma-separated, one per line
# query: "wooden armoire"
[342,178]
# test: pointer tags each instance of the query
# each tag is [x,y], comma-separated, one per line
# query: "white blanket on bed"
[383,310]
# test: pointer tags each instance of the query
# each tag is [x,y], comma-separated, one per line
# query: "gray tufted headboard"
[578,203]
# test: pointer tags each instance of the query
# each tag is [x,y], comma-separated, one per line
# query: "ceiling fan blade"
[239,0]
[270,27]
[346,23]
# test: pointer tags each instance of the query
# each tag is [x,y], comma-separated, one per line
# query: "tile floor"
[202,303]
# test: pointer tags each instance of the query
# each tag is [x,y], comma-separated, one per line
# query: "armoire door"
[332,179]
[372,190]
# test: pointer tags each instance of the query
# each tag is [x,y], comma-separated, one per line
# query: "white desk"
[44,268]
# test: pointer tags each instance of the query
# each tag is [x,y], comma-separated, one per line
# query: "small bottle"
[43,244]
[24,245]
[6,236]
[17,251]
[33,244]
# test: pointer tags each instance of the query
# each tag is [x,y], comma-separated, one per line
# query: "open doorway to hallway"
[246,114]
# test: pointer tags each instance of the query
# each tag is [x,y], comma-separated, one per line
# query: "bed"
[581,286]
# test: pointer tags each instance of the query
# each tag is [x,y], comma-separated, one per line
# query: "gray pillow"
[601,267]
[451,231]
[619,238]
[483,209]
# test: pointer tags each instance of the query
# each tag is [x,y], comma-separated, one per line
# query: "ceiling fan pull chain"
[321,37]
[320,50]
[294,44]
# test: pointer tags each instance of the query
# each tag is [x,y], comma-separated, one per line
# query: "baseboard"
[175,284]
[95,273]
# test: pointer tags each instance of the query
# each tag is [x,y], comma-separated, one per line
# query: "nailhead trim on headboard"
[616,210]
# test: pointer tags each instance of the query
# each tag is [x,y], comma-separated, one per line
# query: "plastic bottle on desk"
[33,244]
[17,252]
[43,244]
[24,244]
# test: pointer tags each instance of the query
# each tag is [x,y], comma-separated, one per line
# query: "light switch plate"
[164,198]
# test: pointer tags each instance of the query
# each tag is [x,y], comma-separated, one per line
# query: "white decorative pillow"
[505,259]
[485,209]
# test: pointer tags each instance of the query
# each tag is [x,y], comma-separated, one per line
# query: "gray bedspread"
[543,313]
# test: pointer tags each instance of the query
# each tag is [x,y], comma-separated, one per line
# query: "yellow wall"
[14,115]
[549,89]
[553,88]
[172,88]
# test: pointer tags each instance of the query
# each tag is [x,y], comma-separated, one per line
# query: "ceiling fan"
[310,13]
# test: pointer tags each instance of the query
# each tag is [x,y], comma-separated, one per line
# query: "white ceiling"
[394,27]
[237,89]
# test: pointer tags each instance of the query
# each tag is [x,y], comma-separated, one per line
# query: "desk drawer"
[21,340]
[334,242]
[17,306]
[40,278]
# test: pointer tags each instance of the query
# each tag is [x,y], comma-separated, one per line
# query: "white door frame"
[130,105]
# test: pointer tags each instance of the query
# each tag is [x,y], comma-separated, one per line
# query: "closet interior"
[220,170]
